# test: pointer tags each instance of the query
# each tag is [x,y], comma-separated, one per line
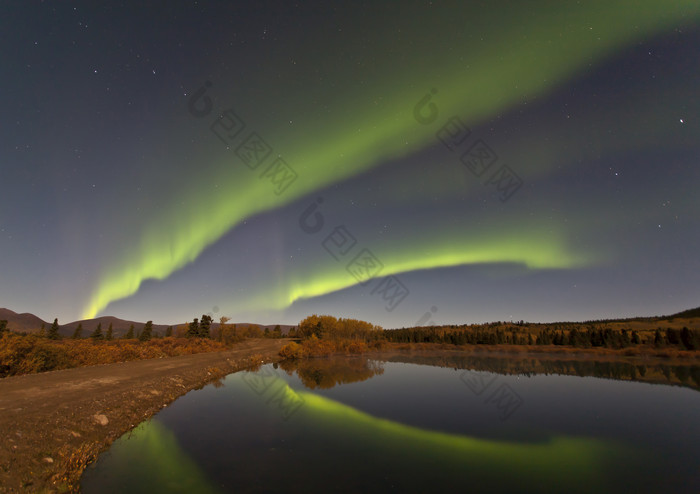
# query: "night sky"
[399,162]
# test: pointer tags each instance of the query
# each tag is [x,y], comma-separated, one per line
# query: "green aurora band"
[530,245]
[539,52]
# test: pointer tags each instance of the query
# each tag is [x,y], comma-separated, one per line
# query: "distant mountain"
[119,326]
[29,323]
[22,323]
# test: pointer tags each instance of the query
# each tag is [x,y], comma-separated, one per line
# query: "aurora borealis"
[120,199]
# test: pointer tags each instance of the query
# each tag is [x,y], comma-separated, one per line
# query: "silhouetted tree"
[147,332]
[625,339]
[129,334]
[97,334]
[169,331]
[3,326]
[193,329]
[53,332]
[690,339]
[659,340]
[110,333]
[78,333]
[205,326]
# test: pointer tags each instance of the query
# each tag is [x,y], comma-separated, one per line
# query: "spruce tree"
[193,329]
[658,339]
[147,332]
[77,334]
[205,326]
[97,334]
[53,332]
[169,331]
[110,333]
[3,326]
[690,339]
[129,334]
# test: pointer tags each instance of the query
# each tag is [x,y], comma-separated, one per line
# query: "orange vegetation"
[20,354]
[315,347]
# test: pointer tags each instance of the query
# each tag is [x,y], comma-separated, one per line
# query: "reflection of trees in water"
[686,375]
[325,373]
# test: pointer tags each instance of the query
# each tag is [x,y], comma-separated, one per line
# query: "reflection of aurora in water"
[153,456]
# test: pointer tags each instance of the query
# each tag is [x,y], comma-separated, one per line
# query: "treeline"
[684,339]
[324,334]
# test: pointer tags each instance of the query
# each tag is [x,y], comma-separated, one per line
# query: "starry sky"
[405,163]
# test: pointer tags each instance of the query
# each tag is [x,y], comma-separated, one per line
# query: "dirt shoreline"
[53,424]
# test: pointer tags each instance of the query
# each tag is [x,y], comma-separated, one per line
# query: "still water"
[363,425]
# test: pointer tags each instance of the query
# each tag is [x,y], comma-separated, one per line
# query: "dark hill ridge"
[119,326]
[686,313]
[29,323]
[22,323]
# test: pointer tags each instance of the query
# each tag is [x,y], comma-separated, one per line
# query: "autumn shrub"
[292,350]
[21,354]
[13,352]
[46,357]
[25,354]
[378,345]
[355,347]
[316,347]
